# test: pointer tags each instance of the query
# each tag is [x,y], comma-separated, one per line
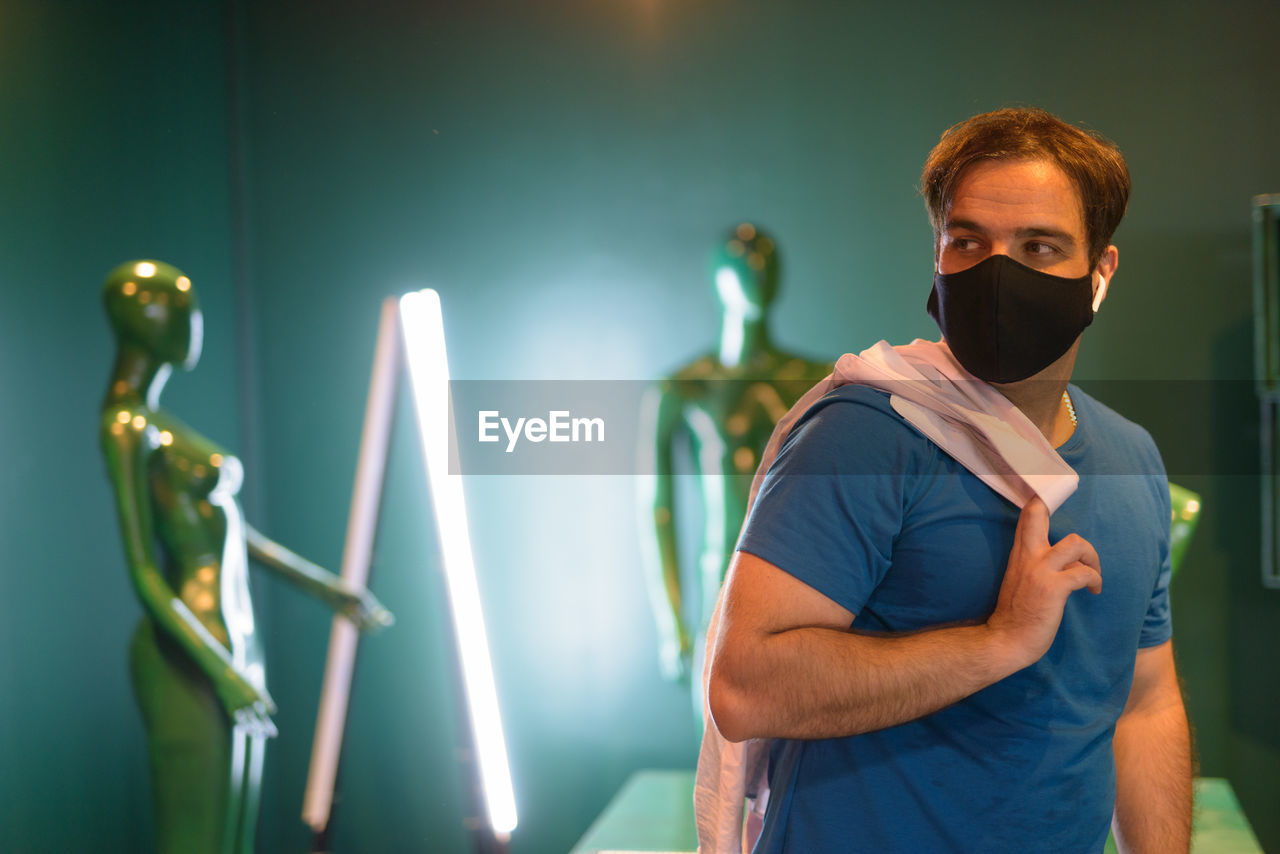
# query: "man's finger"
[1078,575]
[1074,548]
[1033,523]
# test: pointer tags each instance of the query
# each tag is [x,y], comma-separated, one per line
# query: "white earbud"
[1100,293]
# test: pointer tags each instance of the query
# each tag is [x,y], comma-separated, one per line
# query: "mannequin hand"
[255,721]
[249,707]
[363,609]
[675,659]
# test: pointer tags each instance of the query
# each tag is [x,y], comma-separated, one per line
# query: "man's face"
[1026,209]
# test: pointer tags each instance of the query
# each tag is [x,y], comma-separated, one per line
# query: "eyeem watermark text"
[558,426]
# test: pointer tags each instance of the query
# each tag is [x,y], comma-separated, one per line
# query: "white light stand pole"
[415,325]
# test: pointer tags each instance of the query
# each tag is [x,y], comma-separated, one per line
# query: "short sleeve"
[1157,625]
[832,504]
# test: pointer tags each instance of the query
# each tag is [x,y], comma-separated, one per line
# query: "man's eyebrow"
[964,224]
[1058,234]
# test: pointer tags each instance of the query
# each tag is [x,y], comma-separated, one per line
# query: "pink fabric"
[965,417]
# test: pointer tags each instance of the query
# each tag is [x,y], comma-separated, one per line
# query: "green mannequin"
[195,659]
[1186,514]
[726,403]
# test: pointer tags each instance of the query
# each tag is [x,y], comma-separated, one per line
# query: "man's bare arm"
[1153,760]
[785,665]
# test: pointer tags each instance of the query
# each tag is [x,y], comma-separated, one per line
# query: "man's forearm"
[825,683]
[1153,781]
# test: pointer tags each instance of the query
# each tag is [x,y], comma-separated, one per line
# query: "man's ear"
[1102,274]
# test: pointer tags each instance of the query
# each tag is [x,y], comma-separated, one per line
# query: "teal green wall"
[114,146]
[558,171]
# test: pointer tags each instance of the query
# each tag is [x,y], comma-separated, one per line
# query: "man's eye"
[1037,248]
[964,243]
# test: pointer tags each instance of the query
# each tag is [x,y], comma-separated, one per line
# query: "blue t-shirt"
[866,510]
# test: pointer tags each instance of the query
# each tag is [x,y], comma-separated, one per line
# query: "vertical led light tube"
[429,375]
[362,524]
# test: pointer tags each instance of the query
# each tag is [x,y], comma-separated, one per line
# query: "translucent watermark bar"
[577,427]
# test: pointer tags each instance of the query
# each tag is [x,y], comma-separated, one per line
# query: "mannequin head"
[153,307]
[745,271]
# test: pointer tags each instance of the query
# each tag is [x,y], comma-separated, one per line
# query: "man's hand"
[1037,581]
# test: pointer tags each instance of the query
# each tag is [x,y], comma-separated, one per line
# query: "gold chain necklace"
[1071,410]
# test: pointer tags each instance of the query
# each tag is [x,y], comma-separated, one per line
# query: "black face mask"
[1004,321]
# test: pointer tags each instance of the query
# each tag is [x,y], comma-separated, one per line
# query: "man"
[941,671]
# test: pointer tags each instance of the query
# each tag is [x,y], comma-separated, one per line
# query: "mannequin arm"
[660,415]
[248,705]
[356,604]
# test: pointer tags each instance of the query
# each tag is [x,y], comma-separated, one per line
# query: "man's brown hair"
[1094,165]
